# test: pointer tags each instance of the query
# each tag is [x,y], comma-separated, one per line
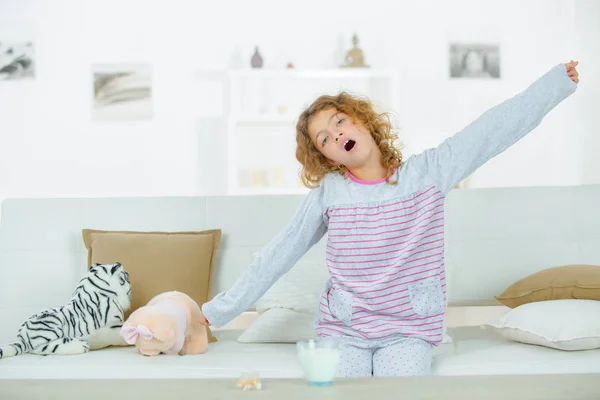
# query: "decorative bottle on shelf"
[256,60]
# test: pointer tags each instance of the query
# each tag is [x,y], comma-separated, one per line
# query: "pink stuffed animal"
[168,324]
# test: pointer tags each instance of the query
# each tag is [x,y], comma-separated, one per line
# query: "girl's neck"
[370,172]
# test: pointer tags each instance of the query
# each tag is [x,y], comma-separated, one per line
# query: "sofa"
[494,238]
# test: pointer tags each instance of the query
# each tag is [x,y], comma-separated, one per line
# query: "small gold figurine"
[354,57]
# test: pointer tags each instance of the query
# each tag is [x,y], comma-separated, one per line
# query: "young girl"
[385,299]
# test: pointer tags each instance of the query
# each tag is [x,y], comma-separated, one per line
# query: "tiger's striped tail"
[13,349]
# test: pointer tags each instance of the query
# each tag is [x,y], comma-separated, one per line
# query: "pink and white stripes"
[386,263]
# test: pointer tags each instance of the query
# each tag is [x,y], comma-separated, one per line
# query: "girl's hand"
[203,320]
[572,71]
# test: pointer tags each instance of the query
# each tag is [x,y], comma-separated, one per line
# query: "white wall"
[49,146]
[587,22]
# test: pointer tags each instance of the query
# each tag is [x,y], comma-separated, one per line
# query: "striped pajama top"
[386,263]
[385,242]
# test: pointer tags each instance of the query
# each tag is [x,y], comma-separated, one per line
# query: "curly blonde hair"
[315,165]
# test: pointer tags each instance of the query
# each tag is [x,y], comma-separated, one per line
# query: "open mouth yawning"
[349,144]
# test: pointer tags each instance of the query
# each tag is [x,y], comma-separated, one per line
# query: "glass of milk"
[319,360]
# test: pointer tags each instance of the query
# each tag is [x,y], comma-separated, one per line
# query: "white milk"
[319,364]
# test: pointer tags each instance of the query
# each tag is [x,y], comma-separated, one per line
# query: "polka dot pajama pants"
[401,357]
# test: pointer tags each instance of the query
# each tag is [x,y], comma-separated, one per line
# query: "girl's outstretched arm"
[497,129]
[274,260]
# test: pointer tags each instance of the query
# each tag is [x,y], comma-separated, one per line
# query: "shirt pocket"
[341,304]
[427,298]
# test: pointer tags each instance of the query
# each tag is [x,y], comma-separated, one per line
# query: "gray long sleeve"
[306,228]
[495,130]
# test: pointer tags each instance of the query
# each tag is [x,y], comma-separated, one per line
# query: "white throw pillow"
[569,324]
[299,289]
[298,292]
[286,311]
[280,325]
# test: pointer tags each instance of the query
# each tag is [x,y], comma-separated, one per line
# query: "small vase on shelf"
[256,61]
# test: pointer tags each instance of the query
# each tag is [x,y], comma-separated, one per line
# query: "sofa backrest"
[42,254]
[494,237]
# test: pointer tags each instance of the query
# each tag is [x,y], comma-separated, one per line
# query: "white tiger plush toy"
[91,320]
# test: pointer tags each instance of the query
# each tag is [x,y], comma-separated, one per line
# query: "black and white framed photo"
[122,92]
[474,60]
[17,60]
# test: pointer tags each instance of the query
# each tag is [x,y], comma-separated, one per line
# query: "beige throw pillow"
[564,282]
[158,261]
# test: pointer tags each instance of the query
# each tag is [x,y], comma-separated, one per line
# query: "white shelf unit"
[260,109]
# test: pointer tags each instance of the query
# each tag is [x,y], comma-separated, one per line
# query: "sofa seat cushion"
[226,358]
[484,352]
[474,352]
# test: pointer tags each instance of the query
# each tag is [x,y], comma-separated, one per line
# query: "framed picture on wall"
[474,60]
[17,60]
[122,92]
